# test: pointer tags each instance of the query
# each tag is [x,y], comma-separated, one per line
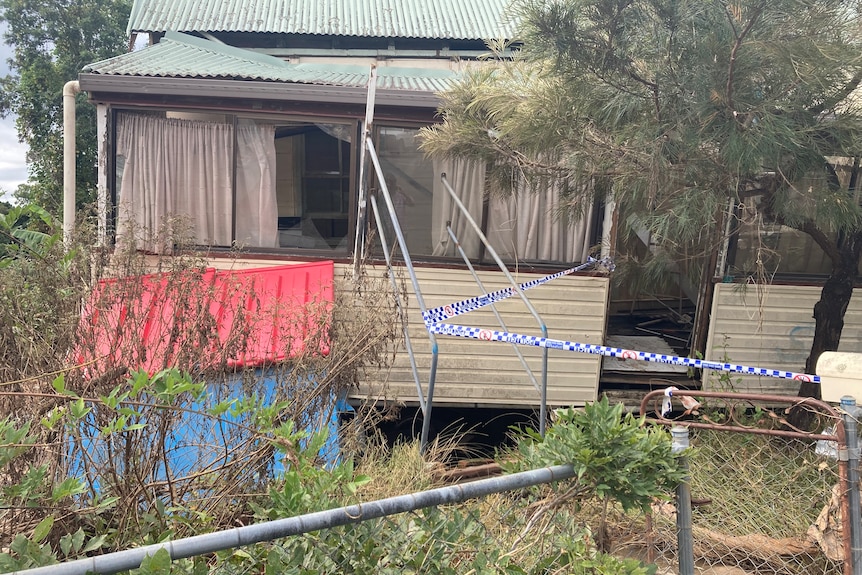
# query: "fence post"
[840,375]
[851,431]
[684,537]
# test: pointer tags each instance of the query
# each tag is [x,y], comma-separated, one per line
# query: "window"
[530,225]
[266,184]
[410,181]
[222,181]
[314,185]
[769,248]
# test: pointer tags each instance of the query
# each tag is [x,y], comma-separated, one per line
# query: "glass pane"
[313,185]
[768,248]
[409,177]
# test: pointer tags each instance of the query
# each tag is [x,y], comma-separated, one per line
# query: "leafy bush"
[615,454]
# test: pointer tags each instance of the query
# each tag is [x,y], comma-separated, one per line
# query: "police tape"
[537,341]
[443,312]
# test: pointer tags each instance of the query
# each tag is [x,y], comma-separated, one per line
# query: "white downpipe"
[70,90]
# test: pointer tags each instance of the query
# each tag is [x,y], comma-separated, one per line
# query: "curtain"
[174,173]
[467,178]
[535,225]
[257,207]
[528,225]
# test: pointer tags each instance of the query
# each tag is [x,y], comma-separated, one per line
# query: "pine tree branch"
[807,226]
[740,38]
[839,97]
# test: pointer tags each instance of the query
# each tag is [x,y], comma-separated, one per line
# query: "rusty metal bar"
[839,437]
[791,401]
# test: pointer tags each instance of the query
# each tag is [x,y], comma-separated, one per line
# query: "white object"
[840,374]
[70,89]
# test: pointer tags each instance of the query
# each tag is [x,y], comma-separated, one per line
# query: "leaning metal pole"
[362,202]
[384,245]
[270,530]
[408,263]
[496,313]
[543,408]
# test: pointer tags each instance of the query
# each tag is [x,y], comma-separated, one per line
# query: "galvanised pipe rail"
[543,407]
[270,530]
[500,321]
[384,244]
[408,263]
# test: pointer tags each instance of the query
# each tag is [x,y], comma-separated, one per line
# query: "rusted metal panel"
[444,19]
[770,327]
[474,372]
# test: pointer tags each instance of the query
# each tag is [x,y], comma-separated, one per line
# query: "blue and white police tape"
[537,341]
[444,312]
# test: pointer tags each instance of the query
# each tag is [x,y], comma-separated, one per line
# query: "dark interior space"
[463,432]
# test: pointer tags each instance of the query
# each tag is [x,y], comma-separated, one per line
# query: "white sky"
[13,163]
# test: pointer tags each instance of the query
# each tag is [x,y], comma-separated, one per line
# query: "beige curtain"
[468,180]
[528,225]
[257,206]
[174,173]
[534,225]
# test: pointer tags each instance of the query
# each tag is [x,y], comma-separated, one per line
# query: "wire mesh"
[760,504]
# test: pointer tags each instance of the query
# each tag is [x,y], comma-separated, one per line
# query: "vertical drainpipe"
[105,168]
[70,90]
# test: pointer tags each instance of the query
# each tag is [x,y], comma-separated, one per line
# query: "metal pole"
[270,530]
[493,307]
[851,432]
[408,263]
[543,407]
[685,540]
[361,204]
[384,245]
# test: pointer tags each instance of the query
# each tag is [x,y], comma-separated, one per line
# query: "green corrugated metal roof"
[444,19]
[183,56]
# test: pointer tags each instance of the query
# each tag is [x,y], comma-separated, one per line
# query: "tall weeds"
[139,384]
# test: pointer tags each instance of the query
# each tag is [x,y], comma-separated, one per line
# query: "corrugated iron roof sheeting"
[183,56]
[181,60]
[444,19]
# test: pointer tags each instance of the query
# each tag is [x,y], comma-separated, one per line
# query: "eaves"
[246,89]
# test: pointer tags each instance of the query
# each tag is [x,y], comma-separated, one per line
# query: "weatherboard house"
[252,120]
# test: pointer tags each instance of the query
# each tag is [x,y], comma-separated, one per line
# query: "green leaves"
[51,42]
[67,488]
[43,529]
[159,563]
[615,454]
[25,232]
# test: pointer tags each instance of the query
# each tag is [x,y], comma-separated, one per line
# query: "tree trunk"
[829,311]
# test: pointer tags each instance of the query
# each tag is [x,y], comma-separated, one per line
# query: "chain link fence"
[765,497]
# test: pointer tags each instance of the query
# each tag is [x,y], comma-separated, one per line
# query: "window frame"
[233,117]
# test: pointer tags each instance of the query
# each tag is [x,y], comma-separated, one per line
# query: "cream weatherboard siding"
[770,327]
[472,372]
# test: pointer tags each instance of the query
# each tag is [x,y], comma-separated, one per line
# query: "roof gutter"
[208,87]
[70,90]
